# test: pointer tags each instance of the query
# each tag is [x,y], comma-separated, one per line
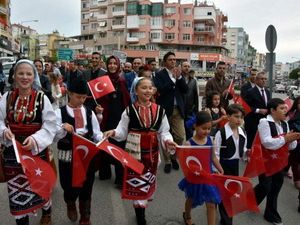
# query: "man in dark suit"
[257,98]
[90,74]
[249,84]
[171,87]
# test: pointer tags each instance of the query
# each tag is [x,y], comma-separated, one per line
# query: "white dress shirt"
[229,133]
[266,138]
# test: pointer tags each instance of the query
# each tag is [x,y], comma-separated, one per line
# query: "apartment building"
[146,29]
[49,44]
[5,29]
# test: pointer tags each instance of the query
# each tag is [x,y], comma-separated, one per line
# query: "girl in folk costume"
[197,194]
[26,114]
[143,124]
[80,120]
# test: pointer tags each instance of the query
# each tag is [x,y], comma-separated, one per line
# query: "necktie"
[263,95]
[78,118]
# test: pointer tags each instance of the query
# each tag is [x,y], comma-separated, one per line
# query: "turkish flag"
[255,165]
[84,151]
[239,100]
[195,163]
[289,103]
[222,123]
[237,194]
[275,160]
[231,89]
[101,86]
[40,174]
[122,156]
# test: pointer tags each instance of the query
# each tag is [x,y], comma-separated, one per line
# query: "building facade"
[49,44]
[5,29]
[27,39]
[141,28]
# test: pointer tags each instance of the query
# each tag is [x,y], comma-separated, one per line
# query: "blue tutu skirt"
[200,193]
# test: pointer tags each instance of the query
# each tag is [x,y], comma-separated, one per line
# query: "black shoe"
[299,208]
[140,216]
[167,168]
[175,165]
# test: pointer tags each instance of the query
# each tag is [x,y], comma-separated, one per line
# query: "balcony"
[119,13]
[118,26]
[204,30]
[133,22]
[205,14]
[132,39]
[102,16]
[118,1]
[224,29]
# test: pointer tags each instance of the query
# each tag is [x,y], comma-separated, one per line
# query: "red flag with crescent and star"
[84,151]
[101,86]
[275,160]
[40,174]
[122,156]
[255,165]
[237,194]
[231,89]
[195,163]
[239,100]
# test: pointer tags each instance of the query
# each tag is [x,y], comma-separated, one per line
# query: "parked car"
[280,88]
[290,89]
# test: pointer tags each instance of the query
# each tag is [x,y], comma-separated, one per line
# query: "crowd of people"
[154,108]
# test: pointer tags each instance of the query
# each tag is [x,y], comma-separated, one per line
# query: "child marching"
[143,125]
[197,194]
[80,120]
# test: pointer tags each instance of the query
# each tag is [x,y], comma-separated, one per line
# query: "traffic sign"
[271,38]
[65,54]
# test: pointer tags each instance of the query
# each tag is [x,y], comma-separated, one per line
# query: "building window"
[132,8]
[85,16]
[94,25]
[209,13]
[118,8]
[155,35]
[102,24]
[84,5]
[145,9]
[143,21]
[157,9]
[84,27]
[137,34]
[186,37]
[200,39]
[170,10]
[170,23]
[156,21]
[169,36]
[187,23]
[187,11]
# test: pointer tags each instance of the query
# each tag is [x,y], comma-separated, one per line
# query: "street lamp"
[19,32]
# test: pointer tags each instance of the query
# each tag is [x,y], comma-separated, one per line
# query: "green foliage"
[295,74]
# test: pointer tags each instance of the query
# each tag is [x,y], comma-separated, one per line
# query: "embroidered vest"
[228,146]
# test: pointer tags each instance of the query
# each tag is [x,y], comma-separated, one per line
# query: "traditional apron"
[142,187]
[21,198]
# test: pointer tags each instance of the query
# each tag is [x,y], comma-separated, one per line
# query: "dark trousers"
[2,86]
[70,193]
[230,167]
[269,187]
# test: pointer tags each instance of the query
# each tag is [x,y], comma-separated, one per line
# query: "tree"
[295,74]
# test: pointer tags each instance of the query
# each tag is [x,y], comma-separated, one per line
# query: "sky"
[253,15]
